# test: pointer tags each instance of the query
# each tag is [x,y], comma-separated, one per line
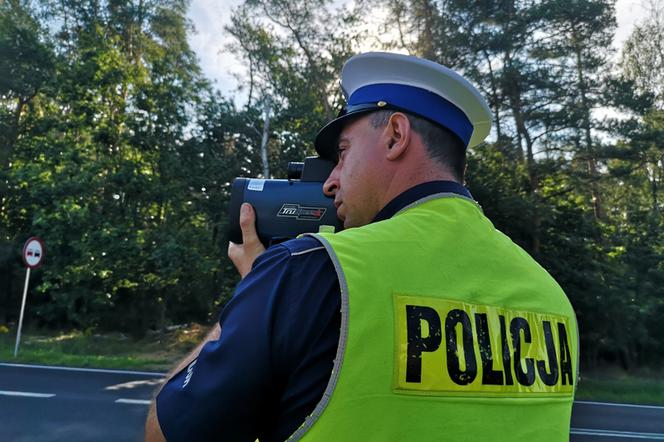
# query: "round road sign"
[33,252]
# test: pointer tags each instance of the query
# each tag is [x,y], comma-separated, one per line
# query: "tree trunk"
[514,95]
[591,162]
[265,138]
[494,96]
[426,37]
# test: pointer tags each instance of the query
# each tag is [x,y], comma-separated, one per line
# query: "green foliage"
[97,172]
[643,53]
[118,153]
[588,209]
[294,51]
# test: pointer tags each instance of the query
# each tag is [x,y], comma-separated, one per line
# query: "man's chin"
[344,220]
[348,223]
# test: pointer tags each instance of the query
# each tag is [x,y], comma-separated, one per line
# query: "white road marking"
[134,384]
[91,370]
[25,394]
[132,401]
[615,433]
[611,404]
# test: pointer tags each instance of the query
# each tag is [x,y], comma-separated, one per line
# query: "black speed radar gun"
[286,208]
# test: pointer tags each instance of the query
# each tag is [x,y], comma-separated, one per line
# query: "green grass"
[113,350]
[612,385]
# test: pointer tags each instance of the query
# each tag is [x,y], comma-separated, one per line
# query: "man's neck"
[419,192]
[406,179]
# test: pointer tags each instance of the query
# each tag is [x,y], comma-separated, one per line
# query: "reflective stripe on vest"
[449,332]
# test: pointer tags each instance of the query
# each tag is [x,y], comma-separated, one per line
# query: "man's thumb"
[248,224]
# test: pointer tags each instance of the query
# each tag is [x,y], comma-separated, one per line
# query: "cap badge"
[381,104]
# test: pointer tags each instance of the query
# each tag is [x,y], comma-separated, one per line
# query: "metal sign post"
[33,255]
[20,321]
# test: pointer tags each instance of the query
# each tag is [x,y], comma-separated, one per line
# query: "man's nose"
[331,184]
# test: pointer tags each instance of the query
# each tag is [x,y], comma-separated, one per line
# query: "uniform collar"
[417,193]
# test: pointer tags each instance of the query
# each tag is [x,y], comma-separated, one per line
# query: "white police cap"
[381,80]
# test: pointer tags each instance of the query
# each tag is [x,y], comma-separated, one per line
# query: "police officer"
[418,322]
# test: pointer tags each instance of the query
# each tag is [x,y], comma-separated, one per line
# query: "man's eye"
[340,153]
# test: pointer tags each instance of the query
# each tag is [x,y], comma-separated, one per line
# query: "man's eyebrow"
[343,139]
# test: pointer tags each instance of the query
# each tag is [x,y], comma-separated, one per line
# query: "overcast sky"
[219,65]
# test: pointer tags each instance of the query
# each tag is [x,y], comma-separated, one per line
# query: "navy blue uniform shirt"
[279,336]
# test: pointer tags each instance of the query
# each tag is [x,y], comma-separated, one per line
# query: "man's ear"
[397,134]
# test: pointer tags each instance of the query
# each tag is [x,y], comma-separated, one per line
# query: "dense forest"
[117,151]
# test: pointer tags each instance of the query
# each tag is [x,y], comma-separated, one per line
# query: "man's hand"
[243,255]
[153,431]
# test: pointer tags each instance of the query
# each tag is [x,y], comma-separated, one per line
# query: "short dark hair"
[441,144]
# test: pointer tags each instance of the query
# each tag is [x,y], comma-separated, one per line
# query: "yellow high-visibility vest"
[449,331]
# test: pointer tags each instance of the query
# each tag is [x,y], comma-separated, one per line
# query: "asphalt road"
[61,404]
[50,404]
